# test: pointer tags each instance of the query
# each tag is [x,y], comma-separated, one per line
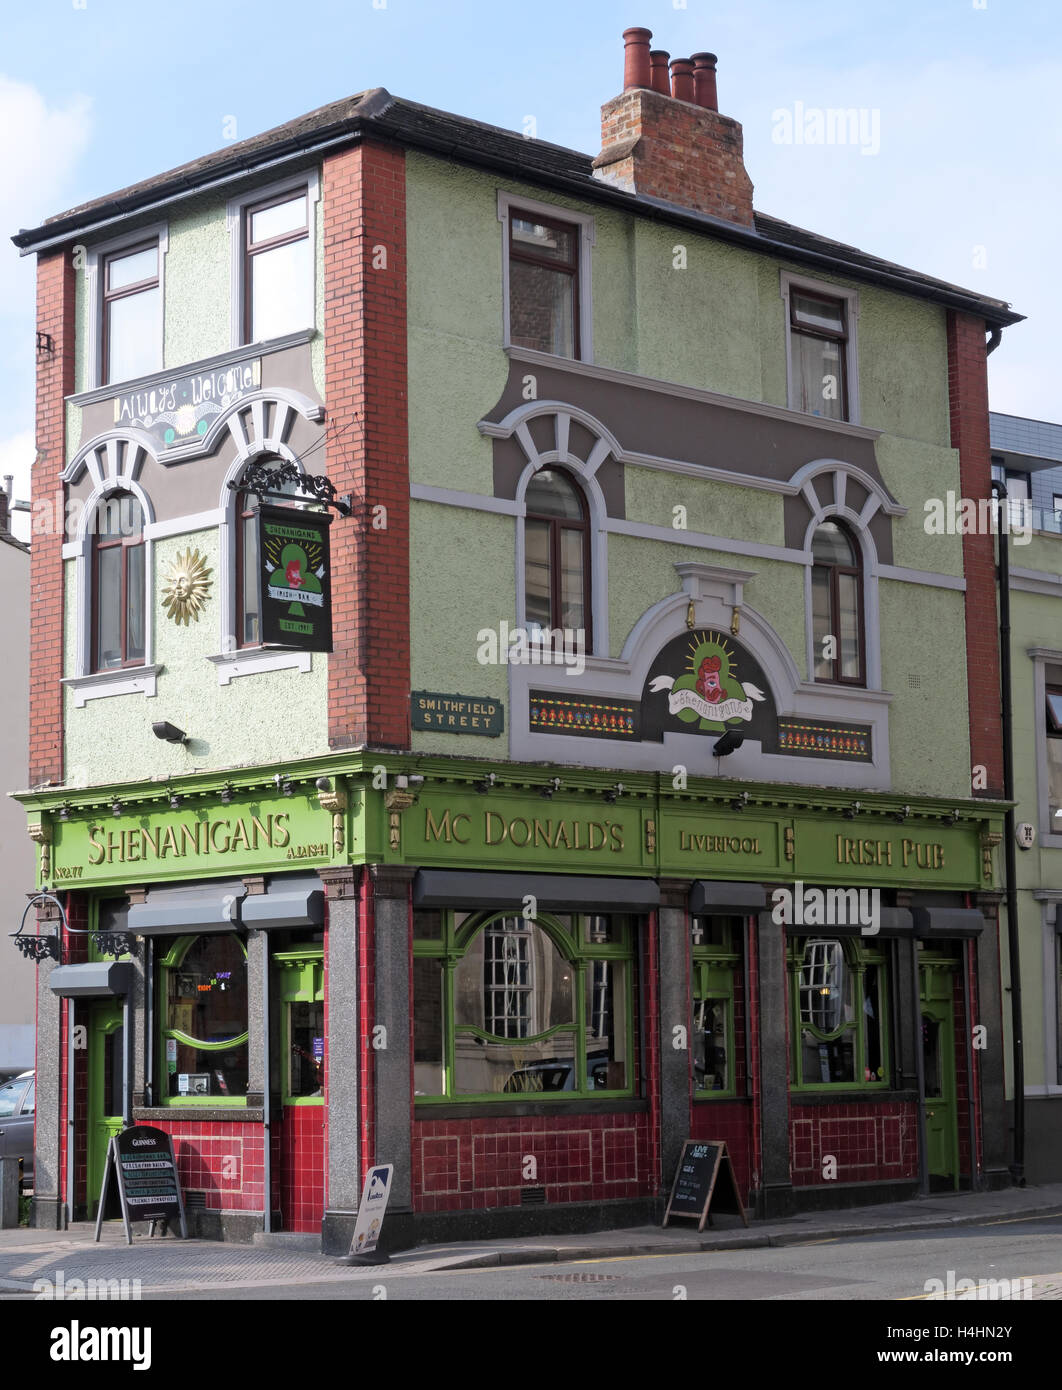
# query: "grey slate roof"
[377,113]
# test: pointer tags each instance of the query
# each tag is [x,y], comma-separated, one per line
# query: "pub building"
[675,813]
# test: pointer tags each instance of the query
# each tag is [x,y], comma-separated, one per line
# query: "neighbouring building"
[650,787]
[17,978]
[1027,458]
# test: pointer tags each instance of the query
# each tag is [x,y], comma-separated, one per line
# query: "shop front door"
[106,1046]
[938,1060]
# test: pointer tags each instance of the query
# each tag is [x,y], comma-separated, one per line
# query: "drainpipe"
[1017,1168]
[69,1113]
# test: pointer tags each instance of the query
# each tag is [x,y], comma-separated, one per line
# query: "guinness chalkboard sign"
[701,1164]
[146,1174]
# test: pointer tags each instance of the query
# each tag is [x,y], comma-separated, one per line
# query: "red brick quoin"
[55,379]
[968,396]
[364,198]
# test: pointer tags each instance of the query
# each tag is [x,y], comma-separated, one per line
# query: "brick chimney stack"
[667,140]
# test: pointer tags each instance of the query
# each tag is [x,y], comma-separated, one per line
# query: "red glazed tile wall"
[466,1165]
[225,1160]
[871,1141]
[731,1121]
[302,1167]
[75,952]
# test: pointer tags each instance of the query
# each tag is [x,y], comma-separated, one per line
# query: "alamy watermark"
[103,1290]
[828,907]
[974,1289]
[532,646]
[812,125]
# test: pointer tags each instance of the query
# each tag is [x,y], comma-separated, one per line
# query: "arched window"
[118,583]
[839,1001]
[837,606]
[556,555]
[247,616]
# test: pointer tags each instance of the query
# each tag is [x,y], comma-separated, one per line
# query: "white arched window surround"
[259,427]
[129,680]
[824,487]
[584,473]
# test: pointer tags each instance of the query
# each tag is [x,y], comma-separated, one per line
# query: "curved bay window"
[203,992]
[118,583]
[556,555]
[837,606]
[716,948]
[508,1006]
[839,1003]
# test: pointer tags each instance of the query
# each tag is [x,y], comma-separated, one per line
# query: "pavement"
[39,1263]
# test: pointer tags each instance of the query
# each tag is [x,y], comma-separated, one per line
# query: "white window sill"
[251,660]
[125,680]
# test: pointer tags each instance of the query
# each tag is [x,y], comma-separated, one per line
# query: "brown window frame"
[252,249]
[519,252]
[824,334]
[1051,690]
[557,524]
[127,543]
[109,296]
[835,607]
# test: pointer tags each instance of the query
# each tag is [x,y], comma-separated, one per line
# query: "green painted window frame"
[858,956]
[95,955]
[170,961]
[459,929]
[300,980]
[712,971]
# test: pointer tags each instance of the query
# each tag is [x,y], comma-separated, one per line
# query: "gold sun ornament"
[187,587]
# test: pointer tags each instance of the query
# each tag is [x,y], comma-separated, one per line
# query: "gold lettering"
[215,826]
[433,830]
[240,836]
[616,835]
[112,846]
[518,820]
[596,825]
[908,846]
[260,831]
[543,834]
[190,836]
[840,849]
[150,837]
[562,832]
[168,842]
[281,829]
[489,818]
[461,816]
[97,851]
[133,838]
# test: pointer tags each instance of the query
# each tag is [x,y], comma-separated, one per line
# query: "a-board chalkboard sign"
[701,1164]
[145,1172]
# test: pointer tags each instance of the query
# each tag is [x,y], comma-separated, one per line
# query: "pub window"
[277,266]
[839,1003]
[556,556]
[543,284]
[119,606]
[504,1005]
[132,313]
[300,973]
[716,951]
[837,605]
[1054,759]
[203,992]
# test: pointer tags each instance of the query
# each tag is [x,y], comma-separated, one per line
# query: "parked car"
[17,1105]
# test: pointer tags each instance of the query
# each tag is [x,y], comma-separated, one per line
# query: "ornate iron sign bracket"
[265,481]
[38,948]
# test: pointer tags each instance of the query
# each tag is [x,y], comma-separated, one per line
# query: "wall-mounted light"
[170,732]
[175,802]
[729,743]
[740,802]
[486,784]
[900,816]
[287,787]
[553,785]
[64,811]
[613,793]
[116,808]
[226,794]
[850,812]
[45,342]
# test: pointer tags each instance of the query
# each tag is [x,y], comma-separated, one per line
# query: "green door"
[938,1061]
[106,1045]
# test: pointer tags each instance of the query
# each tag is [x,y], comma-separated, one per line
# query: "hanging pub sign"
[296,578]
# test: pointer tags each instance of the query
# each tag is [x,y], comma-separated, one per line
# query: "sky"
[955,171]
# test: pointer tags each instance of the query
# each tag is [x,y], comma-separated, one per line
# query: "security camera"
[729,743]
[169,732]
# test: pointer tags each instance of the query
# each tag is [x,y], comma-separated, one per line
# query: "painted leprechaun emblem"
[709,693]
